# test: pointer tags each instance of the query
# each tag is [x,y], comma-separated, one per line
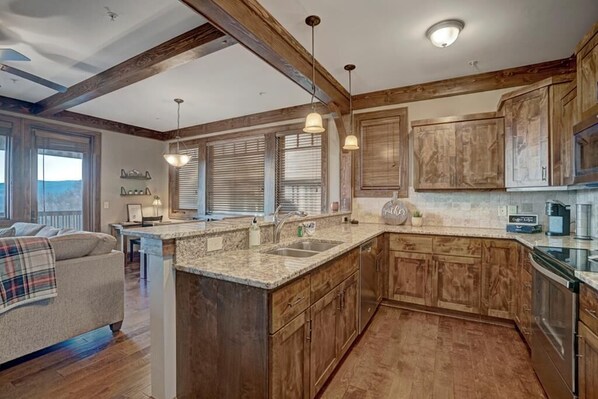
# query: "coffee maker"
[559,218]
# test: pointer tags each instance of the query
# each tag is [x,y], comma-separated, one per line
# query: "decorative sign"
[394,212]
[521,219]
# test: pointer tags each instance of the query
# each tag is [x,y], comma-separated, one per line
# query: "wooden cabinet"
[532,132]
[458,283]
[289,362]
[499,262]
[410,277]
[587,73]
[456,153]
[348,314]
[523,294]
[570,117]
[588,363]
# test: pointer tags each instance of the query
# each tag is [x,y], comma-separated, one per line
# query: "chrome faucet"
[280,221]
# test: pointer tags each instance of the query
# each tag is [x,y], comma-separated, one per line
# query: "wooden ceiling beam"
[512,77]
[26,108]
[256,29]
[242,122]
[191,45]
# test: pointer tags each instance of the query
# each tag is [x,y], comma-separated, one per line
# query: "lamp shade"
[444,33]
[177,160]
[157,201]
[351,143]
[313,123]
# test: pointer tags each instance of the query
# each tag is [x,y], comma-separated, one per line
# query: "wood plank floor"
[405,354]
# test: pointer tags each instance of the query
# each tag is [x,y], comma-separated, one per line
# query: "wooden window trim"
[403,152]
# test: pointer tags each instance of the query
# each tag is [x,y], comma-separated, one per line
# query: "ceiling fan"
[8,54]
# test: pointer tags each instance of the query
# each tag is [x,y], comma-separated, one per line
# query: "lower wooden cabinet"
[289,361]
[410,277]
[588,363]
[523,295]
[499,261]
[458,283]
[348,314]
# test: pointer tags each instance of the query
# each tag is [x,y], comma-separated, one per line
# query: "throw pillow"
[27,229]
[8,232]
[71,246]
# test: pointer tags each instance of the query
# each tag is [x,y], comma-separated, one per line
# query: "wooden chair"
[146,221]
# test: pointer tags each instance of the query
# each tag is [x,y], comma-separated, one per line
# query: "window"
[299,172]
[235,176]
[383,158]
[187,181]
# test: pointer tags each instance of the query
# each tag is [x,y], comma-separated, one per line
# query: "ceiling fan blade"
[8,54]
[33,78]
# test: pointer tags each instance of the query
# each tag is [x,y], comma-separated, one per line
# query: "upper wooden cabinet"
[459,153]
[587,73]
[570,117]
[533,132]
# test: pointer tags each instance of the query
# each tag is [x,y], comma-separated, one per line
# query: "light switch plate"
[512,209]
[106,205]
[502,210]
[214,243]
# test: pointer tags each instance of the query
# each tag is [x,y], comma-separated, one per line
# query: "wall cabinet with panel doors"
[459,153]
[571,117]
[533,132]
[587,73]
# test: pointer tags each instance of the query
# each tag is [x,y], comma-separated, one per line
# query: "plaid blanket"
[27,271]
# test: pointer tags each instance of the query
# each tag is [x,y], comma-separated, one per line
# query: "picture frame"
[134,212]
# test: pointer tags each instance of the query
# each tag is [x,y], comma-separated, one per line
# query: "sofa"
[90,287]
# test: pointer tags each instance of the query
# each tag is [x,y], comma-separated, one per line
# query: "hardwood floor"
[405,354]
[94,365]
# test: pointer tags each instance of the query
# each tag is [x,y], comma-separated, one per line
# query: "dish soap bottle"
[254,234]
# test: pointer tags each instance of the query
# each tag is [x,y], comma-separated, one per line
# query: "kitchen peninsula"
[237,311]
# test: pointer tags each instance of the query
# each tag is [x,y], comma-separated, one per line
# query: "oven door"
[586,152]
[554,311]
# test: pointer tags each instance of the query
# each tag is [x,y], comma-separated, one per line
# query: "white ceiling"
[71,40]
[386,38]
[222,85]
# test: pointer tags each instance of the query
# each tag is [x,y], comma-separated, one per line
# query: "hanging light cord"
[178,127]
[350,106]
[313,68]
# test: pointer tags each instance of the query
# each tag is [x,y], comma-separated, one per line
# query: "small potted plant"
[417,219]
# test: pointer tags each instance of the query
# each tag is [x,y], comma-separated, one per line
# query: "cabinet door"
[481,155]
[410,277]
[380,267]
[435,152]
[526,132]
[499,262]
[458,283]
[289,360]
[569,119]
[348,320]
[588,363]
[323,348]
[587,77]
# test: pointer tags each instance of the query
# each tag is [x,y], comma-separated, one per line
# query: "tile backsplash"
[476,209]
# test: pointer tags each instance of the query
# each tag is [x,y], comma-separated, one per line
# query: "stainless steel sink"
[304,249]
[311,245]
[295,253]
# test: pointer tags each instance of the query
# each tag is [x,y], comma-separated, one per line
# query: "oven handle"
[554,277]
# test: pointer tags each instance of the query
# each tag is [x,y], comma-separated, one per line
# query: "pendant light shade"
[313,121]
[351,143]
[177,159]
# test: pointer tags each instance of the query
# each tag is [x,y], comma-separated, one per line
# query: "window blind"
[299,172]
[188,181]
[235,176]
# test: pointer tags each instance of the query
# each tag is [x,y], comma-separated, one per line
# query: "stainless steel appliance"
[559,218]
[555,293]
[583,217]
[369,284]
[586,151]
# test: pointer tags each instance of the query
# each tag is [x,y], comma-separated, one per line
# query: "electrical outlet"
[512,209]
[214,243]
[106,205]
[502,210]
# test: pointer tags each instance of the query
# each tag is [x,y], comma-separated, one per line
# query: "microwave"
[586,151]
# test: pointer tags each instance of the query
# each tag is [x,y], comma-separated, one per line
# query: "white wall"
[121,151]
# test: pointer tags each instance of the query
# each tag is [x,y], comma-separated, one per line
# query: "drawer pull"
[544,174]
[527,285]
[592,313]
[295,302]
[526,308]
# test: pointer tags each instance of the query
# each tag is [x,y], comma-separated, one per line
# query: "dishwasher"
[369,298]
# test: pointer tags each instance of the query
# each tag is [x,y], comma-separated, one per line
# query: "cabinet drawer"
[287,302]
[332,274]
[588,307]
[458,246]
[411,243]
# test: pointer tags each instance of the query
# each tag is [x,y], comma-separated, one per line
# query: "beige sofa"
[90,295]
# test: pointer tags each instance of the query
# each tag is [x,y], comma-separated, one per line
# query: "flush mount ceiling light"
[313,121]
[351,143]
[177,159]
[444,33]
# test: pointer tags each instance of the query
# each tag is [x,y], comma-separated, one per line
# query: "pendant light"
[177,159]
[351,140]
[313,121]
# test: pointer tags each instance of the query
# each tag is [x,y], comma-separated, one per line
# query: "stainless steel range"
[555,314]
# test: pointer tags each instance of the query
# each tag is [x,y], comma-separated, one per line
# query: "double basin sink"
[304,248]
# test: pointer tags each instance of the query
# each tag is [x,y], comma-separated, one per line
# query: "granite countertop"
[256,268]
